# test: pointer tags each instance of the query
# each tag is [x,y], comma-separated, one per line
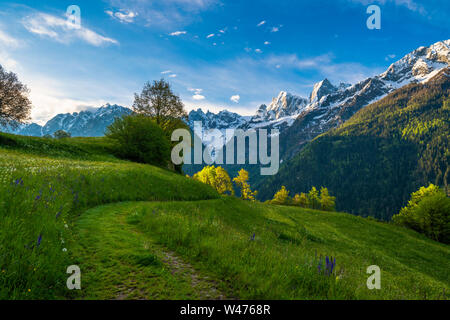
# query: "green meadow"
[141,232]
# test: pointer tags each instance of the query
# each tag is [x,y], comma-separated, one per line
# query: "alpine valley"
[302,119]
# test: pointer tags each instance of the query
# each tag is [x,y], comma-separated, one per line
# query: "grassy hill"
[138,231]
[380,156]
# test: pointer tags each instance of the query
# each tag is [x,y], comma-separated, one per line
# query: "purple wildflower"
[39,241]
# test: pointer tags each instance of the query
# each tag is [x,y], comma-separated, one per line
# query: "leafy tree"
[327,202]
[217,178]
[281,197]
[241,182]
[140,139]
[301,200]
[15,106]
[313,198]
[427,212]
[61,134]
[158,101]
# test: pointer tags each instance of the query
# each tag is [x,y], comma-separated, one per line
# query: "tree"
[241,182]
[313,198]
[217,178]
[15,106]
[159,102]
[301,200]
[327,202]
[140,139]
[61,134]
[281,197]
[427,212]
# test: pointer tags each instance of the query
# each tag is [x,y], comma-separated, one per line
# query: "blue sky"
[217,54]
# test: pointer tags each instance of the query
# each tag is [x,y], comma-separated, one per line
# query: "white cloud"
[258,50]
[275,29]
[172,76]
[197,94]
[390,57]
[261,23]
[177,33]
[266,43]
[8,41]
[58,29]
[166,72]
[166,14]
[235,98]
[198,97]
[210,35]
[123,16]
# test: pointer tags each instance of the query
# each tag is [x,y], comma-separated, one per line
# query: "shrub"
[140,139]
[282,197]
[427,212]
[61,134]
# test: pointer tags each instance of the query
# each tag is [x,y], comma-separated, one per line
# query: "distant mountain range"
[78,124]
[299,119]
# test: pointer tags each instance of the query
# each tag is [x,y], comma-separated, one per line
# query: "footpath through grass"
[120,262]
[42,196]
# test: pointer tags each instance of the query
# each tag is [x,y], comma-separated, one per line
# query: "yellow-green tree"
[241,182]
[301,200]
[327,202]
[217,178]
[281,197]
[313,198]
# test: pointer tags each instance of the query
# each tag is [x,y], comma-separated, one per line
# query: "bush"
[427,212]
[61,134]
[217,178]
[140,139]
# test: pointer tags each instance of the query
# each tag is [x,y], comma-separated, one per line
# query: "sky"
[217,54]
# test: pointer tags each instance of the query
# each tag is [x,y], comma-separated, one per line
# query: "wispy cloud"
[210,35]
[325,65]
[165,14]
[123,16]
[57,28]
[261,23]
[178,33]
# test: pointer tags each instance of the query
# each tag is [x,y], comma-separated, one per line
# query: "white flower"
[64,250]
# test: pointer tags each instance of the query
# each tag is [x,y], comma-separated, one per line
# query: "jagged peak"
[321,89]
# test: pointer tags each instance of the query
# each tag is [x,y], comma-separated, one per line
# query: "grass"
[282,261]
[70,201]
[41,197]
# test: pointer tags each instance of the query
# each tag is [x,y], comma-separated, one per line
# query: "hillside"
[184,241]
[387,150]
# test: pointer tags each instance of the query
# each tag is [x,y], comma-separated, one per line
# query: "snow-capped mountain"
[332,106]
[86,123]
[78,124]
[222,120]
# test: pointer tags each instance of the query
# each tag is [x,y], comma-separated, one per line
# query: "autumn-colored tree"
[281,197]
[217,178]
[301,200]
[327,202]
[241,182]
[314,199]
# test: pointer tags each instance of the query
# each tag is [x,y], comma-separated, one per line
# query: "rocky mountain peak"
[321,89]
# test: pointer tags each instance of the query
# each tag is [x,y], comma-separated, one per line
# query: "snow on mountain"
[78,124]
[222,120]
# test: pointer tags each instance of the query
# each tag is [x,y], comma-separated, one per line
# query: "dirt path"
[120,262]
